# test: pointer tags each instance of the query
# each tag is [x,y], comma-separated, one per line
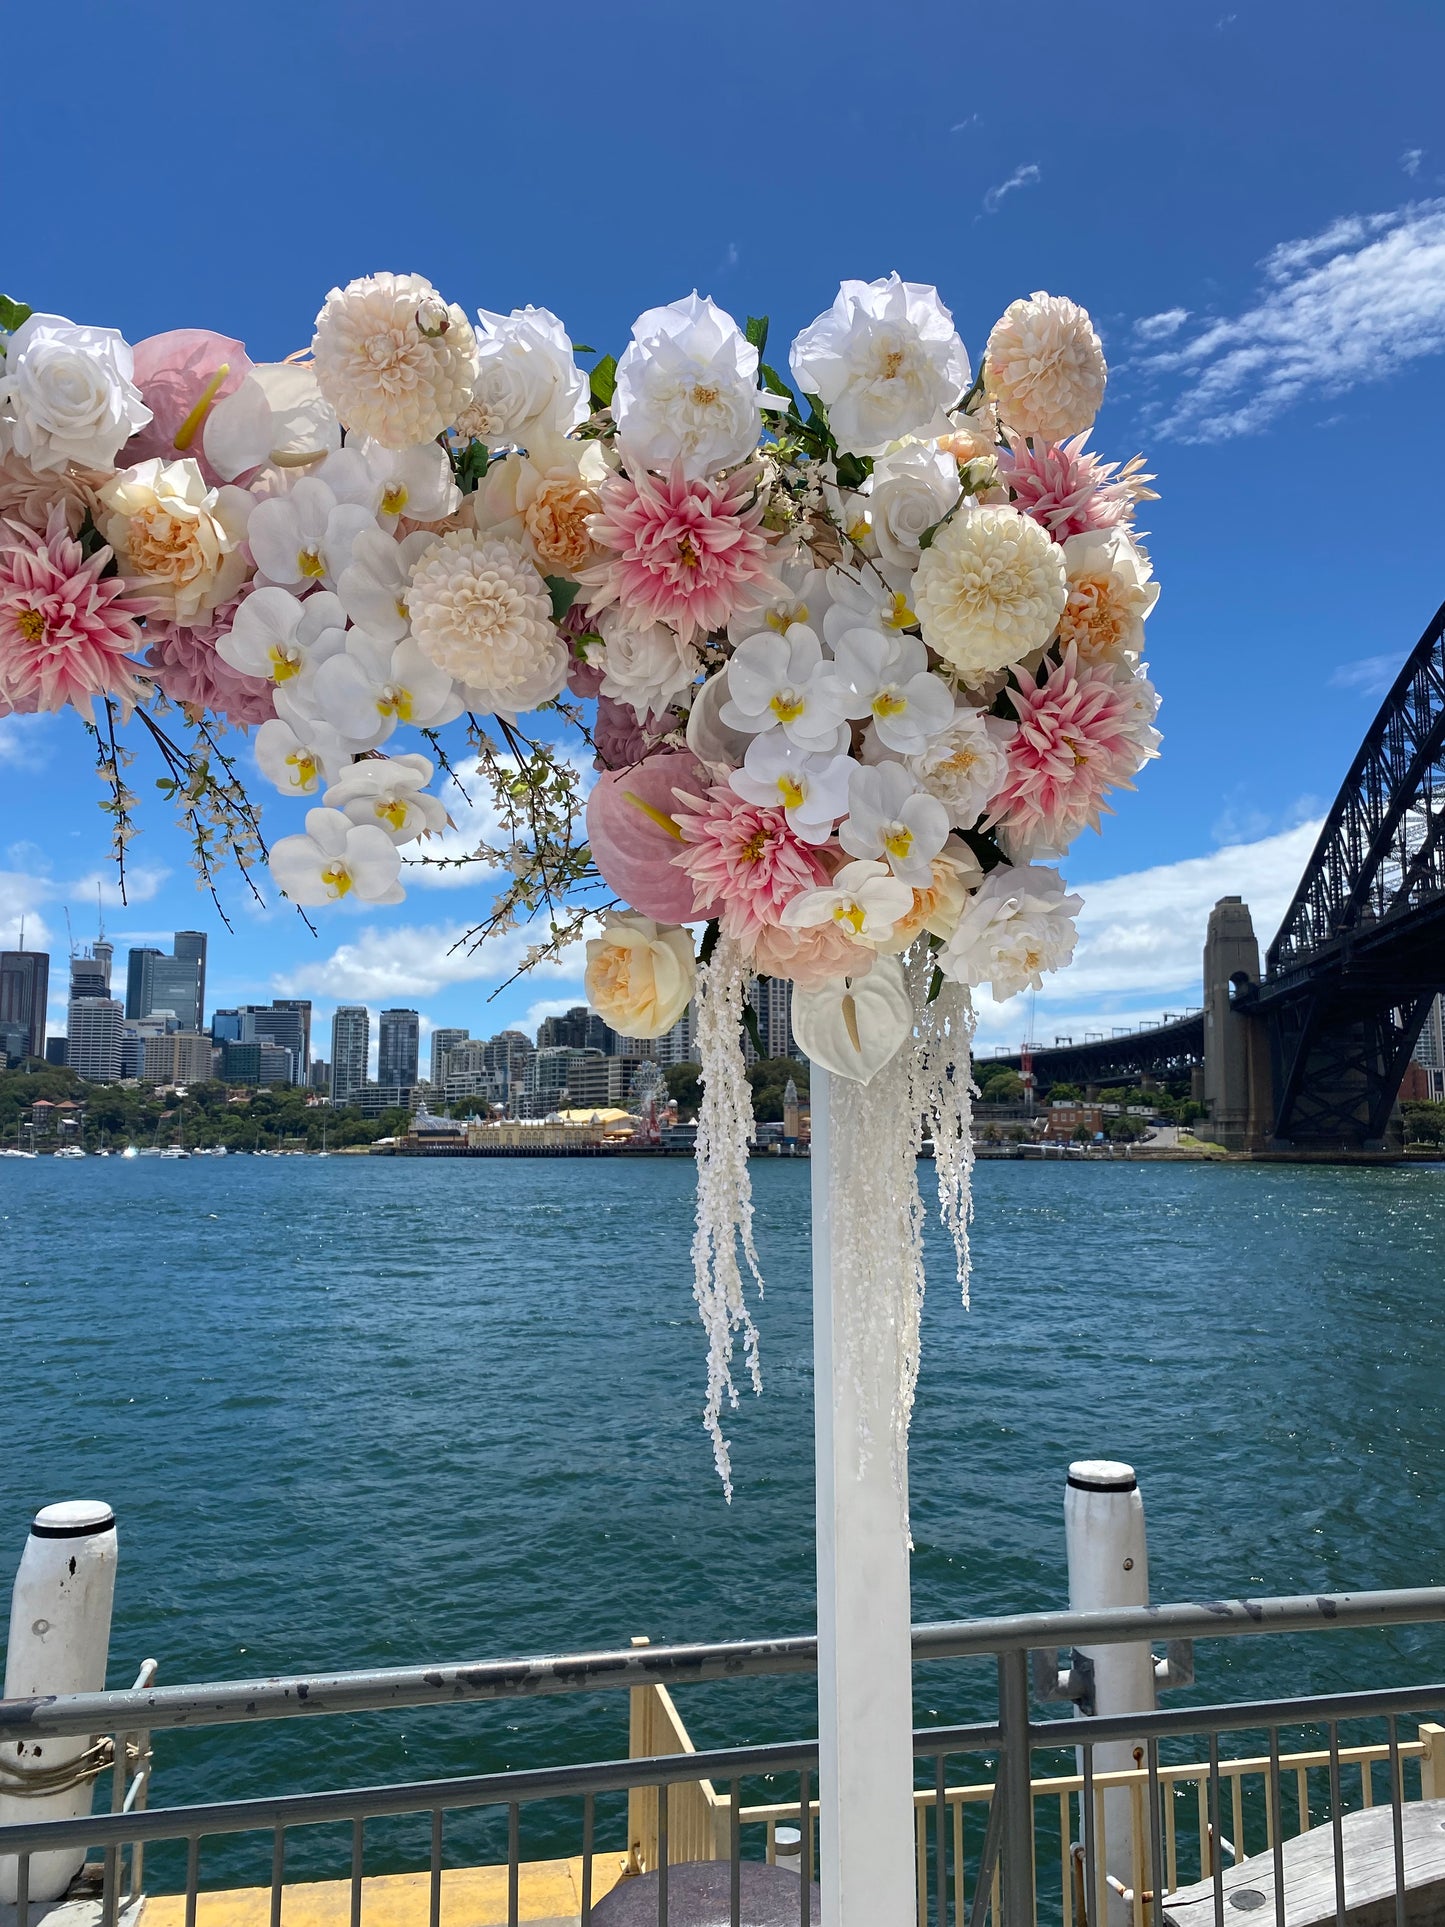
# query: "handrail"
[290,1697]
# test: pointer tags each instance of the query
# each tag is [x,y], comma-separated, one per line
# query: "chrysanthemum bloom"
[65,634]
[481,611]
[27,495]
[1044,367]
[1074,742]
[1110,595]
[690,554]
[185,665]
[1068,490]
[393,359]
[744,861]
[989,590]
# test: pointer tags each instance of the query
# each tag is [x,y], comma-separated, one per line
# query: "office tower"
[278,1065]
[441,1043]
[350,1042]
[233,1026]
[679,1045]
[158,980]
[57,1050]
[320,1077]
[93,1051]
[773,1002]
[285,1025]
[138,983]
[240,1061]
[24,987]
[190,947]
[302,1007]
[397,1056]
[566,1031]
[90,974]
[508,1054]
[177,1057]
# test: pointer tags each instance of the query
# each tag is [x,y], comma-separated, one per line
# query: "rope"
[25,1782]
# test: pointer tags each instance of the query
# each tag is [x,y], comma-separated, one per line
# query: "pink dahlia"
[1072,745]
[66,632]
[744,862]
[1067,489]
[690,554]
[185,666]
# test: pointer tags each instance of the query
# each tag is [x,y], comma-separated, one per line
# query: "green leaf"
[564,594]
[935,984]
[854,470]
[774,382]
[581,348]
[757,331]
[604,382]
[750,1025]
[12,313]
[709,941]
[470,466]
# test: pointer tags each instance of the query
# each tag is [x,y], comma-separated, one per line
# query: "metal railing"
[971,1869]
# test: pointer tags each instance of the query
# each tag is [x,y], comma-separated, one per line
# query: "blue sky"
[1251,202]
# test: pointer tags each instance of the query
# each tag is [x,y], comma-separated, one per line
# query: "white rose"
[687,390]
[912,489]
[648,669]
[885,361]
[1017,925]
[526,379]
[640,974]
[67,393]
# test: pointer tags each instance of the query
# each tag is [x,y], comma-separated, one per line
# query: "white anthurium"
[373,585]
[856,1026]
[892,817]
[887,362]
[277,415]
[863,601]
[687,390]
[306,535]
[887,679]
[910,491]
[1016,926]
[708,737]
[299,761]
[781,682]
[369,686]
[392,482]
[276,636]
[389,791]
[810,789]
[864,900]
[335,859]
[527,380]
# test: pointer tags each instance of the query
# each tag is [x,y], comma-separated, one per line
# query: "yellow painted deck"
[549,1895]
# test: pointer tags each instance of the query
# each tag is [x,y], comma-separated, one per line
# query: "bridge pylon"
[1237,1081]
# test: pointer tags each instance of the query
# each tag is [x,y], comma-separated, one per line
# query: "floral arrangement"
[820,679]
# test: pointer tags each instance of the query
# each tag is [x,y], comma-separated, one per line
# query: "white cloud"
[959,126]
[1370,675]
[22,741]
[401,964]
[1354,303]
[1026,176]
[1158,327]
[1410,160]
[550,1007]
[475,822]
[1141,938]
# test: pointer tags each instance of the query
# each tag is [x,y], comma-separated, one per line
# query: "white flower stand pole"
[865,1672]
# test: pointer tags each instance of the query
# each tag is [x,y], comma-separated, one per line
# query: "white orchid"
[337,858]
[1017,925]
[298,761]
[374,583]
[276,636]
[887,678]
[687,390]
[885,360]
[781,682]
[862,601]
[527,380]
[392,482]
[864,900]
[306,536]
[389,791]
[366,688]
[811,790]
[890,816]
[277,415]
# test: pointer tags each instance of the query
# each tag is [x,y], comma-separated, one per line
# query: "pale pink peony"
[813,957]
[744,861]
[1068,490]
[186,667]
[1072,745]
[689,554]
[66,634]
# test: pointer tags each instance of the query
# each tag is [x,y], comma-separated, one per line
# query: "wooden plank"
[1309,1876]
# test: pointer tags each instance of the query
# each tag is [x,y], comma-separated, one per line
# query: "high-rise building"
[93,1049]
[302,1007]
[350,1042]
[1430,1051]
[567,1030]
[320,1077]
[24,987]
[441,1042]
[399,1049]
[175,982]
[240,1061]
[190,947]
[177,1057]
[679,1045]
[138,983]
[772,999]
[233,1026]
[90,972]
[278,1065]
[508,1054]
[57,1050]
[285,1025]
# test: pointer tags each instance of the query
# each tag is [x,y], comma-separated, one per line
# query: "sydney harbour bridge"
[1308,1054]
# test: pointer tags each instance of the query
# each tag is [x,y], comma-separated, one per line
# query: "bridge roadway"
[1166,1053]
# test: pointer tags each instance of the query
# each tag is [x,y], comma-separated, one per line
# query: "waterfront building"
[398,1055]
[508,1054]
[285,1024]
[568,1030]
[93,1049]
[57,1050]
[350,1043]
[441,1043]
[372,1099]
[24,988]
[277,1063]
[190,948]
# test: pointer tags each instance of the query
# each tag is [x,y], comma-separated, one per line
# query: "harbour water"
[356,1412]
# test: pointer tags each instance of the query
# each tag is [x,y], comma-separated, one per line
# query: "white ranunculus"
[337,858]
[68,394]
[911,490]
[687,390]
[1018,925]
[886,362]
[390,792]
[964,766]
[648,669]
[526,380]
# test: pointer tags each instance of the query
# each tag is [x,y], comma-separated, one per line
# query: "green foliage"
[1124,1130]
[997,1084]
[604,382]
[756,332]
[563,593]
[469,465]
[769,1079]
[1424,1123]
[211,1114]
[684,1083]
[1065,1094]
[12,314]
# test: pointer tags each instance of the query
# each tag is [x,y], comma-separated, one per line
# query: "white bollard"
[59,1643]
[1108,1556]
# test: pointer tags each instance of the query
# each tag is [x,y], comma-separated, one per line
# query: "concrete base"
[84,1912]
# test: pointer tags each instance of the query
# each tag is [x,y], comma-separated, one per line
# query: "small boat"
[174,1151]
[70,1151]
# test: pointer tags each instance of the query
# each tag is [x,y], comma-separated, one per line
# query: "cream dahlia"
[989,590]
[66,630]
[481,611]
[180,538]
[1068,490]
[393,359]
[690,554]
[1110,594]
[1044,367]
